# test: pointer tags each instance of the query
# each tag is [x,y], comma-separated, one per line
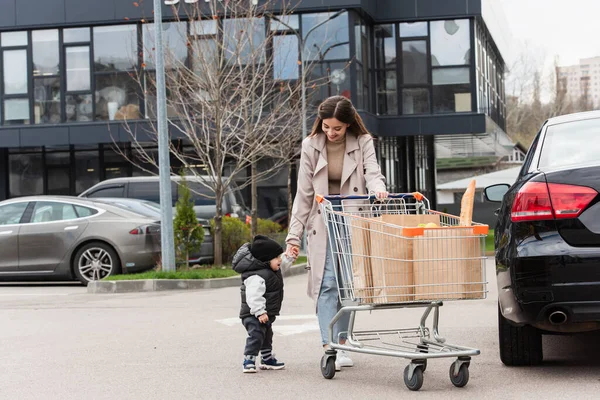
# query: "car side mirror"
[495,193]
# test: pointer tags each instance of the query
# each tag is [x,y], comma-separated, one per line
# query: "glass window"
[415,101]
[87,170]
[414,62]
[564,144]
[46,211]
[145,191]
[330,41]
[75,35]
[16,111]
[11,214]
[14,39]
[45,52]
[175,44]
[85,211]
[451,97]
[15,72]
[115,48]
[78,107]
[450,42]
[117,97]
[244,40]
[387,93]
[413,29]
[287,22]
[205,27]
[113,191]
[285,57]
[46,96]
[26,173]
[78,68]
[448,76]
[385,46]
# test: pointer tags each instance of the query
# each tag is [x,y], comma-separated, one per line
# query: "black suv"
[548,239]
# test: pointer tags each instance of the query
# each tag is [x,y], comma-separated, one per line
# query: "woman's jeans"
[328,303]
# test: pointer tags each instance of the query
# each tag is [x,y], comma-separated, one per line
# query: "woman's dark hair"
[341,108]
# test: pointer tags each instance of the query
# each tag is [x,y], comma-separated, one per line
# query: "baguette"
[466,205]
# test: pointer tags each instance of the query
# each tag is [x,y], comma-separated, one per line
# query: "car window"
[149,191]
[529,157]
[112,191]
[46,211]
[12,213]
[571,144]
[201,195]
[84,211]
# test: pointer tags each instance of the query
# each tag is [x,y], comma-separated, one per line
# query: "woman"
[337,158]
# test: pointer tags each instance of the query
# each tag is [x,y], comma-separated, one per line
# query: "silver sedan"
[74,238]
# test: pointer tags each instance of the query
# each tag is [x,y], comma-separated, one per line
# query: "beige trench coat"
[360,175]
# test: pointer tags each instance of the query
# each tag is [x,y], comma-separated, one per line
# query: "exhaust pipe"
[557,318]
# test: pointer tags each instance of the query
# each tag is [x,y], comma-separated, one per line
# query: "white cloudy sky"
[567,28]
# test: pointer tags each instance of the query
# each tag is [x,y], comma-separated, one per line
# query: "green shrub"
[234,234]
[267,227]
[188,233]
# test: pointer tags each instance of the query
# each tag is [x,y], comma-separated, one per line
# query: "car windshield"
[571,144]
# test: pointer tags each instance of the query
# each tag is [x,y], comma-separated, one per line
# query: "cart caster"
[415,382]
[461,378]
[328,366]
[423,348]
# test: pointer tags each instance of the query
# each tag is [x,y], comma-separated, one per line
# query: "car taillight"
[144,230]
[137,231]
[540,201]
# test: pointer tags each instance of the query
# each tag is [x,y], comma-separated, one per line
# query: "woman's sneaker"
[249,366]
[342,360]
[271,363]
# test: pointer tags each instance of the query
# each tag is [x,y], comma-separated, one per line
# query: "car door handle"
[71,228]
[6,232]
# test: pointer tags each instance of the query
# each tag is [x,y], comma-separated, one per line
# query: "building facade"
[582,81]
[418,69]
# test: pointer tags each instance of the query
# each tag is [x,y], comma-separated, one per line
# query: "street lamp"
[302,41]
[167,241]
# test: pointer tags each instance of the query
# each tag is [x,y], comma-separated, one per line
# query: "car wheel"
[95,261]
[519,345]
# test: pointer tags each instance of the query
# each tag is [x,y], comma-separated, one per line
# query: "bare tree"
[228,102]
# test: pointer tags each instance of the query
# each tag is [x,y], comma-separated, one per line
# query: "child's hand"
[292,251]
[264,318]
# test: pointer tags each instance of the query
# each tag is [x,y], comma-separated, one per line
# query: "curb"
[160,285]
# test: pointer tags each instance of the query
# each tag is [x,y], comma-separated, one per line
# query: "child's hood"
[244,261]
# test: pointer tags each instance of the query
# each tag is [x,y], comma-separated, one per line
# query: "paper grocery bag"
[447,264]
[391,256]
[362,278]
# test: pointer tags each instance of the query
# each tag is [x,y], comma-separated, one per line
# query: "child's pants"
[260,336]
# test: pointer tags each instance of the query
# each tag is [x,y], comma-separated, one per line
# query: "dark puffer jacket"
[246,265]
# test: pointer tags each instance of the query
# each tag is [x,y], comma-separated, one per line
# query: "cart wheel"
[423,348]
[417,379]
[462,378]
[328,366]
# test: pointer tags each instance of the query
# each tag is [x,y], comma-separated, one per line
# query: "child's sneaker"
[249,366]
[271,363]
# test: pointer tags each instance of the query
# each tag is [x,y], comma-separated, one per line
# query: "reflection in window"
[76,35]
[150,96]
[46,96]
[387,93]
[174,38]
[244,40]
[15,71]
[45,52]
[285,57]
[87,170]
[26,173]
[11,214]
[414,62]
[415,101]
[451,90]
[450,42]
[329,41]
[78,68]
[10,39]
[79,107]
[117,97]
[413,29]
[287,22]
[115,48]
[385,46]
[16,111]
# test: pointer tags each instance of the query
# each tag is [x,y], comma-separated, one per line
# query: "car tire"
[109,263]
[519,345]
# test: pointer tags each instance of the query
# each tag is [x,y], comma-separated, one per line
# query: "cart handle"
[418,196]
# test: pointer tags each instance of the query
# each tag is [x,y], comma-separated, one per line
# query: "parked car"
[547,239]
[152,210]
[147,188]
[74,238]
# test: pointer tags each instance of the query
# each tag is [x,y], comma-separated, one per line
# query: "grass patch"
[489,241]
[200,273]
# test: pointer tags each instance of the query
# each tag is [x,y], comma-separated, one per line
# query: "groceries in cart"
[399,253]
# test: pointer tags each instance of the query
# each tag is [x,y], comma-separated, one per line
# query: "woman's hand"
[381,195]
[292,251]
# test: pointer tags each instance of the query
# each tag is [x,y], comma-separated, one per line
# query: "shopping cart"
[398,253]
